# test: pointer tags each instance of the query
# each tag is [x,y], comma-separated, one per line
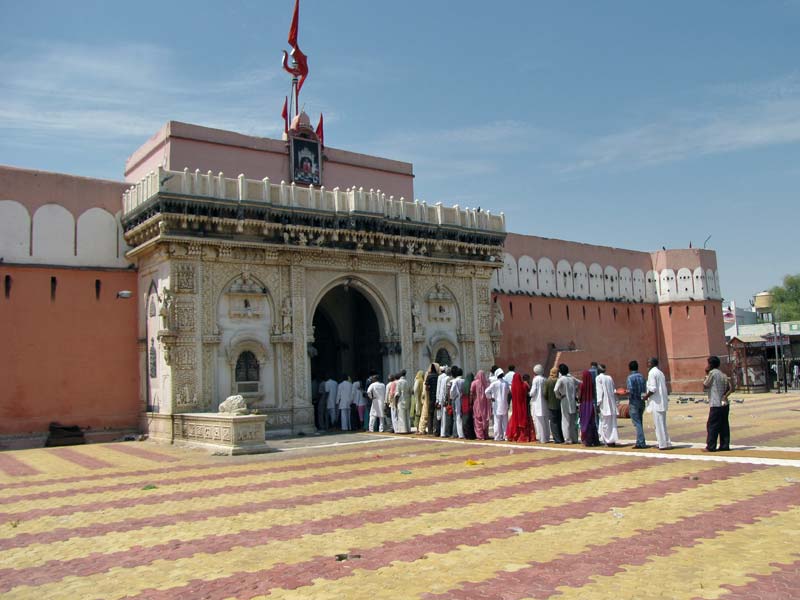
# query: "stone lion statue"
[234,405]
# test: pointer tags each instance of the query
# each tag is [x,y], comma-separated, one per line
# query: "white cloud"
[747,116]
[126,90]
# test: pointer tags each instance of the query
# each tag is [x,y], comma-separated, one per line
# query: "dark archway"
[346,336]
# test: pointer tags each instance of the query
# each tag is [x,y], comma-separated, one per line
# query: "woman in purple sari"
[589,436]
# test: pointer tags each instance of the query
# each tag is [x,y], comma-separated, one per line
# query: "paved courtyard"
[368,516]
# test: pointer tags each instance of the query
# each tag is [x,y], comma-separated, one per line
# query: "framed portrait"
[306,163]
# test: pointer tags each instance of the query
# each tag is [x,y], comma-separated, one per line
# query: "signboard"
[782,340]
[306,161]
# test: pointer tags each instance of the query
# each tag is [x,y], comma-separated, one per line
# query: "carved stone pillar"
[302,409]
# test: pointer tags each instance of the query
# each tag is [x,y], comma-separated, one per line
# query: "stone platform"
[217,432]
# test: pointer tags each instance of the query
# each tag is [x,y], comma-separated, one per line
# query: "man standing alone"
[659,400]
[719,388]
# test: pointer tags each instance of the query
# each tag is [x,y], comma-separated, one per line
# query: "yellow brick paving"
[750,545]
[37,554]
[152,471]
[79,499]
[576,535]
[81,518]
[162,574]
[759,548]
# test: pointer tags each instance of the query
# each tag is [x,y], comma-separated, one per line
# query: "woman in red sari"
[519,426]
[481,405]
[589,436]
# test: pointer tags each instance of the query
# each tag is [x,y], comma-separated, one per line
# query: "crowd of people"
[508,406]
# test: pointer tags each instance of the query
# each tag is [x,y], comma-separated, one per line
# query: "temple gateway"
[259,289]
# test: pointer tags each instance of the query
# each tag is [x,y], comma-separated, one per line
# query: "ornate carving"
[184,277]
[185,316]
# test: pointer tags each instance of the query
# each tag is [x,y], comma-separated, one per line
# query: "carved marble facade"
[221,295]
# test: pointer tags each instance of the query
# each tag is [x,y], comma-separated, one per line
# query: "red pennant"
[285,114]
[294,25]
[320,131]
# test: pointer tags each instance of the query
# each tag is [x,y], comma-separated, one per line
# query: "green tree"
[786,299]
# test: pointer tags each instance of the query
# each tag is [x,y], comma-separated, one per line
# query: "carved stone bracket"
[167,340]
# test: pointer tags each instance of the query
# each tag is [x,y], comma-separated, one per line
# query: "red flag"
[285,114]
[320,132]
[299,69]
[302,67]
[293,27]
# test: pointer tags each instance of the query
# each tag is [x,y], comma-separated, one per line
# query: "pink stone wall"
[68,355]
[33,189]
[181,145]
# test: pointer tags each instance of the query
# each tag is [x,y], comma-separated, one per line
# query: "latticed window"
[442,357]
[247,373]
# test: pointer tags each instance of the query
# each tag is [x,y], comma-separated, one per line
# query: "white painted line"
[673,454]
[334,444]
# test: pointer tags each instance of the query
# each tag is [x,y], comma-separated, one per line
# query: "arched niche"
[53,235]
[711,284]
[581,276]
[508,278]
[699,283]
[625,283]
[611,282]
[15,232]
[651,287]
[667,286]
[246,318]
[638,285]
[546,276]
[445,340]
[597,288]
[97,238]
[684,284]
[564,280]
[527,274]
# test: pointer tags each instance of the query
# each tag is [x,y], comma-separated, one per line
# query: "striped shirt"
[636,387]
[717,384]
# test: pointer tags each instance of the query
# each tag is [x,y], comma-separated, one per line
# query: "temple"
[228,264]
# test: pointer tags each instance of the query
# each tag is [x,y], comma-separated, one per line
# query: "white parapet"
[353,199]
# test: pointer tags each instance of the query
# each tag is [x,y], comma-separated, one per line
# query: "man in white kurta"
[442,399]
[539,410]
[456,388]
[607,406]
[376,392]
[331,387]
[658,399]
[402,394]
[566,388]
[498,392]
[344,396]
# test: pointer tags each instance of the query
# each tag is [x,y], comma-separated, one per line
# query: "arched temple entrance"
[346,336]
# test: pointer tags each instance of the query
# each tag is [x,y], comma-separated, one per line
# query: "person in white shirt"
[402,393]
[331,388]
[376,392]
[360,402]
[498,392]
[456,386]
[344,397]
[509,375]
[607,405]
[566,390]
[539,410]
[658,400]
[442,399]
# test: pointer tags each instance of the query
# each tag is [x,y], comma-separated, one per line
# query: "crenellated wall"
[614,305]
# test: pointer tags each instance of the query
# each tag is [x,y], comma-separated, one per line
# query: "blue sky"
[628,124]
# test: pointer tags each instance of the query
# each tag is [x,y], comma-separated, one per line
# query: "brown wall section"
[71,359]
[534,327]
[33,189]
